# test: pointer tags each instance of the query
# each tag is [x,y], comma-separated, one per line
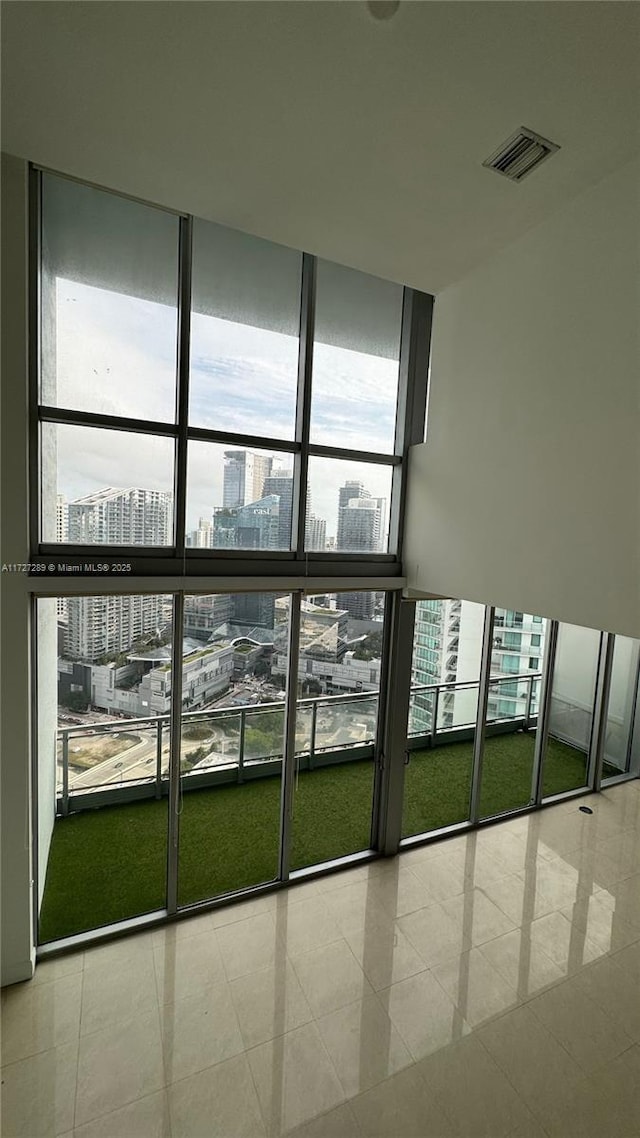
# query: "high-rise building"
[254,526]
[133,516]
[518,648]
[360,605]
[203,615]
[280,483]
[360,524]
[62,535]
[62,518]
[244,475]
[254,609]
[107,625]
[351,489]
[202,537]
[447,648]
[99,626]
[315,532]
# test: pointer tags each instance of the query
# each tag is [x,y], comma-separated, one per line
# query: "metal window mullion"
[289,750]
[184,335]
[395,698]
[483,698]
[33,331]
[234,438]
[600,711]
[544,711]
[303,405]
[374,458]
[377,807]
[70,417]
[175,730]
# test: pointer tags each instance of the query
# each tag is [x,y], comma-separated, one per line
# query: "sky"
[116,355]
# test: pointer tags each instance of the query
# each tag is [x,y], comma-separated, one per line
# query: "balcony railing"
[128,758]
[102,757]
[430,701]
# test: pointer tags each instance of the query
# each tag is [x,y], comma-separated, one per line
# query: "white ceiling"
[313,124]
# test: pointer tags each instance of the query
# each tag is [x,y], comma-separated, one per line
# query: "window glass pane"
[341,636]
[512,709]
[104,699]
[108,303]
[103,487]
[355,359]
[244,333]
[235,663]
[238,498]
[348,506]
[571,710]
[623,696]
[447,648]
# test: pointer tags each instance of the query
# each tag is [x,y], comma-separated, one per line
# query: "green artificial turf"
[104,865]
[109,864]
[438,781]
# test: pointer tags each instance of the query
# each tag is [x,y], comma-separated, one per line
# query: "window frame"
[178,558]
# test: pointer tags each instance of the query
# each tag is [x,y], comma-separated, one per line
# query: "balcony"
[108,854]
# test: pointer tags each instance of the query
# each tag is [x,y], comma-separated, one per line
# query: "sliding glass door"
[339,667]
[571,710]
[102,756]
[235,661]
[512,710]
[447,649]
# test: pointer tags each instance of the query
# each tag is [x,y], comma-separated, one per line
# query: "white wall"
[16,945]
[527,491]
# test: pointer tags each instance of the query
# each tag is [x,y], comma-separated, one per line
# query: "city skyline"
[241,381]
[103,516]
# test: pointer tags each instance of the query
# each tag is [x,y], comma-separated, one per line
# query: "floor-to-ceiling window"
[104,694]
[571,710]
[515,672]
[447,648]
[339,669]
[210,405]
[232,742]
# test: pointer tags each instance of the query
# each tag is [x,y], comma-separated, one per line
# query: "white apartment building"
[62,535]
[447,648]
[132,516]
[105,625]
[202,537]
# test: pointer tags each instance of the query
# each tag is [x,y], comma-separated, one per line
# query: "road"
[342,726]
[137,761]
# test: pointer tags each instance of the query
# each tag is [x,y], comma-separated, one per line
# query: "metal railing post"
[159,760]
[527,710]
[65,773]
[434,716]
[243,725]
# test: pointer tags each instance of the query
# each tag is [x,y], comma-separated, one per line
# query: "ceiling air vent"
[520,154]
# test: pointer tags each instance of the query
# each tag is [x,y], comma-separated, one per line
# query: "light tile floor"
[488,986]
